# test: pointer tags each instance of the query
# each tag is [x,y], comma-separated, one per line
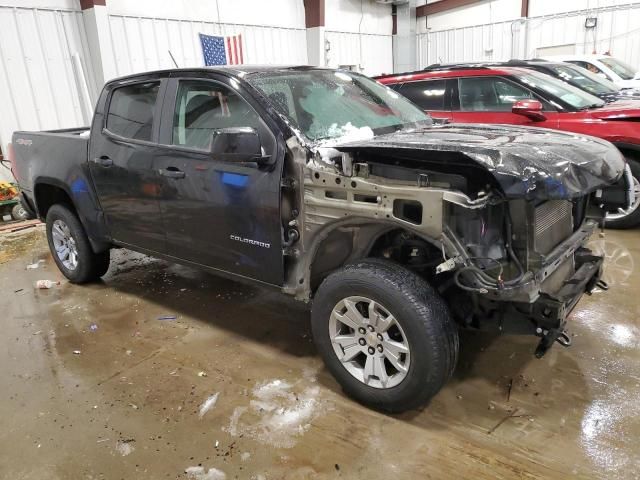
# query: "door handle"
[103,161]
[171,172]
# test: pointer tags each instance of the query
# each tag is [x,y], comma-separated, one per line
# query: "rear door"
[121,151]
[220,214]
[489,99]
[431,96]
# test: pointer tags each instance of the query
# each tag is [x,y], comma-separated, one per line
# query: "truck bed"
[53,154]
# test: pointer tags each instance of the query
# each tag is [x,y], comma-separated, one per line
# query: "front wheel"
[71,249]
[385,334]
[630,217]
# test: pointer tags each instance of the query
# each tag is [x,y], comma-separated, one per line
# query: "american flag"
[221,50]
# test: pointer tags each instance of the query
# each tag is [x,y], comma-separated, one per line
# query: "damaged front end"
[496,218]
[523,265]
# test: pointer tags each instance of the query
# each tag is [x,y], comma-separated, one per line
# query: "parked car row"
[538,93]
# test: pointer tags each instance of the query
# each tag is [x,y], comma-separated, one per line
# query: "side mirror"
[531,109]
[237,144]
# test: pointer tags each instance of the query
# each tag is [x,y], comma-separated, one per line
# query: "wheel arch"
[629,150]
[345,241]
[50,191]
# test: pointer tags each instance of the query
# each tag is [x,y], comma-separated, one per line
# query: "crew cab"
[330,187]
[484,93]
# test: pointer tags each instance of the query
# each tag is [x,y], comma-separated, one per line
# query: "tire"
[18,212]
[632,219]
[88,265]
[423,324]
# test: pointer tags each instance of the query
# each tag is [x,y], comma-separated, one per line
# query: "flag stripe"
[240,42]
[235,49]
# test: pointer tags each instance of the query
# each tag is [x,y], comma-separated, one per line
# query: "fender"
[299,281]
[82,198]
[627,147]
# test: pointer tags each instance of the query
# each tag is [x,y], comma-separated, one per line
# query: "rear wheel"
[628,218]
[71,249]
[385,335]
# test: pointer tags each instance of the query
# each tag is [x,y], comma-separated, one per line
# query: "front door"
[123,145]
[489,99]
[220,214]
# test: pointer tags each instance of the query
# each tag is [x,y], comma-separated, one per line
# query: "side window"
[131,110]
[591,67]
[428,95]
[489,94]
[202,107]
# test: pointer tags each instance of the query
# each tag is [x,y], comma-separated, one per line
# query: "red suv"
[517,96]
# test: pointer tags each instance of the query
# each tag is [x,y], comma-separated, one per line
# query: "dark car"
[479,93]
[578,77]
[330,187]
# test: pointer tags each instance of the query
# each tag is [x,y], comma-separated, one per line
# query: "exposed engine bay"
[503,263]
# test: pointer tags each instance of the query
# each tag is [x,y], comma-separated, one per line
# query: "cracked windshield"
[329,105]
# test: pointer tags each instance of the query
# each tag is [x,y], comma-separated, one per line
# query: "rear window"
[624,71]
[428,95]
[131,110]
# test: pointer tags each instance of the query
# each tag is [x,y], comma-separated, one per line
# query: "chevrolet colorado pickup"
[332,188]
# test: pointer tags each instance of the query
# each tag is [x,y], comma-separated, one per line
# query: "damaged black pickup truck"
[333,188]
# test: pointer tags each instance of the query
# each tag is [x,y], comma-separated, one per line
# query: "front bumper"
[541,304]
[551,311]
[547,316]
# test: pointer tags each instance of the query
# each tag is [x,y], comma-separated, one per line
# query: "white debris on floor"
[200,473]
[124,447]
[208,404]
[278,413]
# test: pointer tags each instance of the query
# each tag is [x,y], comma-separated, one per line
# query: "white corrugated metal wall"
[372,52]
[618,32]
[46,79]
[40,83]
[494,41]
[142,43]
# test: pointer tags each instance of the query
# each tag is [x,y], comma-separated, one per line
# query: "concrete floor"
[94,385]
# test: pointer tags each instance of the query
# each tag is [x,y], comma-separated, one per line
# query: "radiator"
[553,224]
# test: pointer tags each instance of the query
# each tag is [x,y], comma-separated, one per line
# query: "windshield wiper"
[593,105]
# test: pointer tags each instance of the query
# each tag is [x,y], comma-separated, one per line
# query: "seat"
[478,96]
[199,123]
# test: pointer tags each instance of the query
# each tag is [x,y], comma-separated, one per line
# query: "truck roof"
[228,70]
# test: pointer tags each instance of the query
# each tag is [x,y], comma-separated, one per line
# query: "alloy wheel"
[370,342]
[64,244]
[623,212]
